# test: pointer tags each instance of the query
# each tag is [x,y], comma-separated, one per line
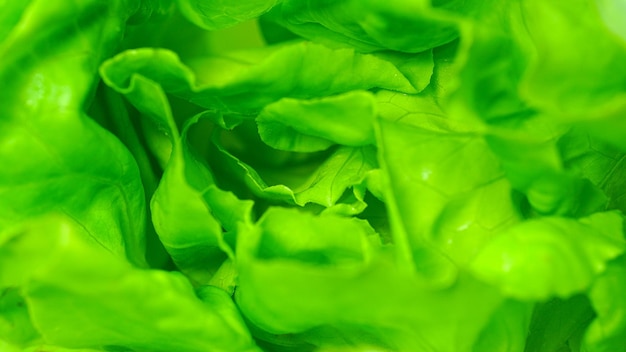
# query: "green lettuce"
[312,175]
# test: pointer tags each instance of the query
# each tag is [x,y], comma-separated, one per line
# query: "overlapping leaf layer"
[312,175]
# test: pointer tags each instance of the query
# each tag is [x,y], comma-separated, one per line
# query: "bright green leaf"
[563,256]
[80,295]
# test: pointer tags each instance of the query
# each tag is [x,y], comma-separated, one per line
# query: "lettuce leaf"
[79,295]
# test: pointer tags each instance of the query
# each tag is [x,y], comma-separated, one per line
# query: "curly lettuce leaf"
[525,136]
[211,15]
[599,162]
[559,324]
[80,295]
[243,82]
[43,124]
[446,192]
[371,25]
[316,124]
[310,181]
[489,92]
[194,219]
[608,330]
[298,271]
[534,153]
[563,256]
[16,327]
[566,76]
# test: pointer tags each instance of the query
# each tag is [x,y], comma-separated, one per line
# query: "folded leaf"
[317,182]
[297,271]
[409,26]
[189,211]
[59,158]
[210,14]
[244,82]
[566,78]
[79,295]
[316,124]
[559,324]
[490,92]
[608,330]
[532,152]
[16,327]
[445,190]
[599,162]
[563,256]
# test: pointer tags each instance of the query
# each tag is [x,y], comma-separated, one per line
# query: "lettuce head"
[312,175]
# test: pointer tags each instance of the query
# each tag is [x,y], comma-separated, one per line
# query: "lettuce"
[312,175]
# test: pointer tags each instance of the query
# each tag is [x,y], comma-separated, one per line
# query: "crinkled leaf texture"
[243,82]
[80,295]
[398,175]
[316,124]
[189,211]
[60,159]
[372,25]
[563,256]
[211,14]
[608,330]
[446,192]
[298,270]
